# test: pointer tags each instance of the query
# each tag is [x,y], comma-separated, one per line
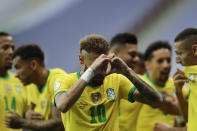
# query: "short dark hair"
[30,52]
[156,46]
[124,38]
[185,34]
[2,33]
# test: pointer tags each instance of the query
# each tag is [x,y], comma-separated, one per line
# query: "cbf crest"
[192,77]
[110,93]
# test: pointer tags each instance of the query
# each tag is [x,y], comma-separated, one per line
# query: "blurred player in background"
[30,69]
[12,96]
[140,67]
[90,98]
[124,45]
[158,64]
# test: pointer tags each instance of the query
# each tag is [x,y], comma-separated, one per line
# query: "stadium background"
[57,25]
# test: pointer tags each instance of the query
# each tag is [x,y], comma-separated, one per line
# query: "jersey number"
[13,103]
[100,112]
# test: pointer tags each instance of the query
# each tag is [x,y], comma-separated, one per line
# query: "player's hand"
[161,127]
[31,115]
[179,79]
[100,64]
[118,64]
[13,120]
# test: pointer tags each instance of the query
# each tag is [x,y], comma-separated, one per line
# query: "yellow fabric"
[101,113]
[129,114]
[12,98]
[43,99]
[191,73]
[149,116]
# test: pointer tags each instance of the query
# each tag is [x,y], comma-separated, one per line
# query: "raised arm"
[65,100]
[144,93]
[179,80]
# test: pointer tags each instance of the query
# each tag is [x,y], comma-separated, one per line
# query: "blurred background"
[58,25]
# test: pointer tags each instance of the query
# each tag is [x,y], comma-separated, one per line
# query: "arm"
[16,122]
[179,80]
[65,100]
[165,127]
[144,93]
[170,105]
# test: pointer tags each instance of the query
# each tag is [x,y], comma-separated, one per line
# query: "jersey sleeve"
[126,89]
[61,84]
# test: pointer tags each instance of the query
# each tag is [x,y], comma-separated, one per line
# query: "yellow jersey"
[12,98]
[191,74]
[97,109]
[129,114]
[149,116]
[43,99]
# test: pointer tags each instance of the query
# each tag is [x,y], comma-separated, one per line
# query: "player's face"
[98,78]
[129,54]
[160,64]
[6,52]
[183,56]
[23,70]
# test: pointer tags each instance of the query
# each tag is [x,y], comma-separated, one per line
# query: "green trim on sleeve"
[130,99]
[189,92]
[59,92]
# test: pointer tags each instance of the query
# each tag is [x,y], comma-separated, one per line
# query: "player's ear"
[34,65]
[81,59]
[147,65]
[194,49]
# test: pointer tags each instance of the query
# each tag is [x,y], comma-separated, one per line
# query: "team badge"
[8,88]
[96,97]
[18,89]
[192,77]
[57,85]
[110,93]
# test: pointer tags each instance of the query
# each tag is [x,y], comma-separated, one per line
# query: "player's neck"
[42,76]
[3,72]
[83,69]
[155,79]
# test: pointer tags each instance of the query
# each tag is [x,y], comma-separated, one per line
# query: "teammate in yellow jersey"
[186,54]
[124,45]
[90,98]
[164,127]
[30,68]
[158,64]
[12,96]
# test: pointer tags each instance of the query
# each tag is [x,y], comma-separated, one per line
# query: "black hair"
[124,38]
[2,33]
[156,46]
[185,34]
[30,52]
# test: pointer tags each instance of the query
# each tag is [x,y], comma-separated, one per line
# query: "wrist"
[88,74]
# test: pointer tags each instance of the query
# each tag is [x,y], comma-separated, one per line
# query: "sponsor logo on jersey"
[110,93]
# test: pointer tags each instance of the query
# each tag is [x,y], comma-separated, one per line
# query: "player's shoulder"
[57,71]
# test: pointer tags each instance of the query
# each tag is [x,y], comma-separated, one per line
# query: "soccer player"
[30,68]
[90,98]
[186,54]
[158,64]
[124,45]
[12,96]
